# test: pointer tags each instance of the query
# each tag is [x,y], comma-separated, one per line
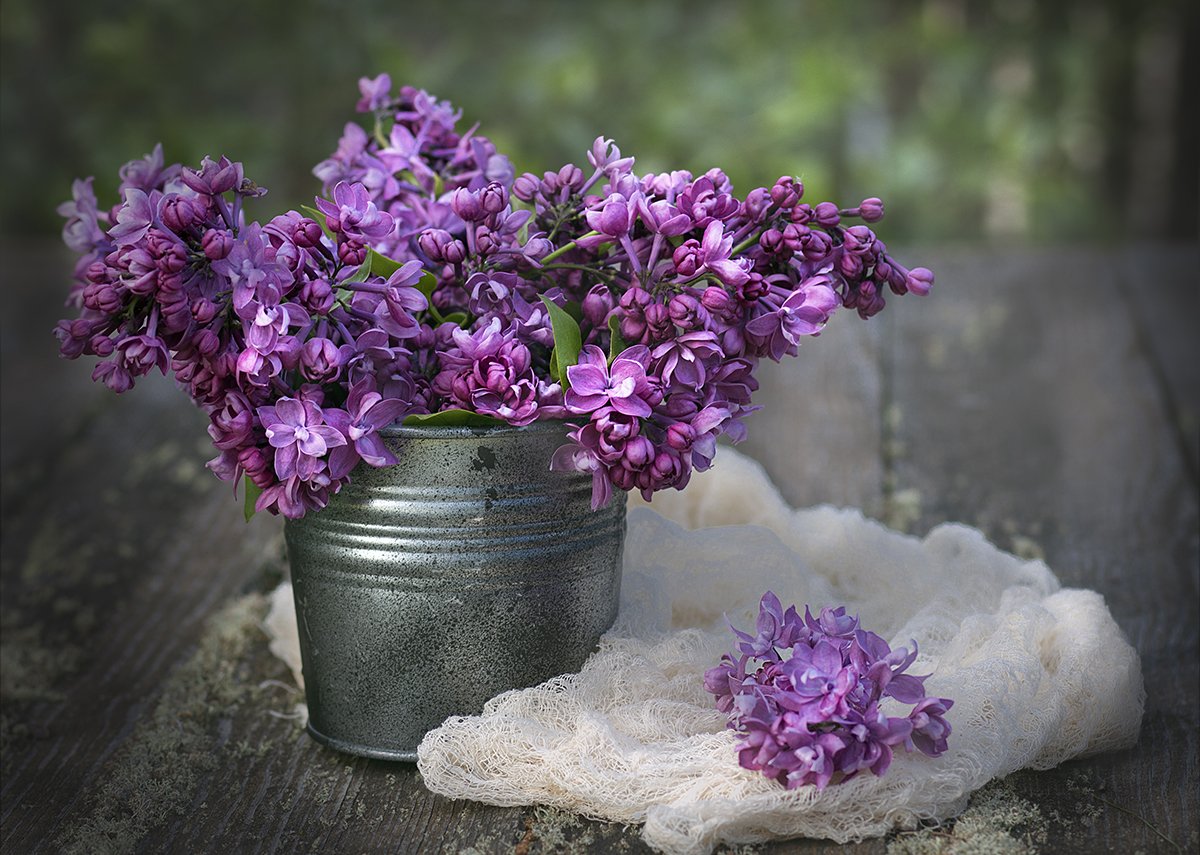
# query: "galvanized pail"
[429,587]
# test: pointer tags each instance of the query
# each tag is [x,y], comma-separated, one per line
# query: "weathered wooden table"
[1047,396]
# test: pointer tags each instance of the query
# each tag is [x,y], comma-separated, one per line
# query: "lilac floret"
[624,386]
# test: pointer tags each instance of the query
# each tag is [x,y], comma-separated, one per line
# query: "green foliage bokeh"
[969,118]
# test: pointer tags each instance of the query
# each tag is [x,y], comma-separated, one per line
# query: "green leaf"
[320,218]
[459,318]
[381,265]
[453,418]
[360,275]
[617,343]
[427,284]
[567,339]
[253,491]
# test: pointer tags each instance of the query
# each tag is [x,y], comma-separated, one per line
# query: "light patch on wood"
[998,821]
[156,774]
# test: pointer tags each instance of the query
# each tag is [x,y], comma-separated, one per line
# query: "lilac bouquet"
[813,716]
[431,285]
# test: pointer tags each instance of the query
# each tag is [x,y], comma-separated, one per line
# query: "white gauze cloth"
[1038,674]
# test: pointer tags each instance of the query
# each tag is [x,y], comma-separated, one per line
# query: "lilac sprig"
[809,698]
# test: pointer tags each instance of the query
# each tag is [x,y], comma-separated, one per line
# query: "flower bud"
[486,241]
[352,253]
[815,245]
[454,252]
[786,192]
[570,176]
[752,289]
[826,214]
[537,247]
[919,281]
[757,202]
[680,436]
[216,243]
[718,301]
[288,351]
[96,273]
[635,300]
[465,204]
[597,303]
[431,242]
[100,345]
[859,240]
[258,468]
[687,258]
[793,236]
[658,319]
[306,233]
[320,360]
[871,210]
[666,471]
[203,310]
[771,241]
[622,478]
[102,297]
[178,213]
[493,198]
[851,265]
[633,329]
[686,311]
[207,343]
[317,295]
[638,452]
[801,214]
[526,187]
[550,184]
[613,219]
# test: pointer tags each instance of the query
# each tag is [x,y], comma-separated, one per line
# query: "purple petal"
[285,462]
[588,379]
[631,406]
[373,450]
[385,413]
[331,435]
[290,412]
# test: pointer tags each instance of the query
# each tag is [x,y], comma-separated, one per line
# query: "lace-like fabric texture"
[1038,674]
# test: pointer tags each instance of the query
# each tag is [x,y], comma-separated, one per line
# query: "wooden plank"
[111,564]
[1161,287]
[1027,406]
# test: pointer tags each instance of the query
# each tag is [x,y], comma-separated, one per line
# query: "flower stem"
[748,242]
[567,247]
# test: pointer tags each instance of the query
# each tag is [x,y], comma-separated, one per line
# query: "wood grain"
[1043,395]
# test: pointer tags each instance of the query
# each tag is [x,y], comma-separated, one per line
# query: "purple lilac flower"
[680,283]
[366,412]
[376,92]
[298,433]
[814,715]
[804,313]
[353,214]
[624,386]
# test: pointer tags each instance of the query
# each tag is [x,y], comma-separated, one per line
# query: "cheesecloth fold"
[1038,674]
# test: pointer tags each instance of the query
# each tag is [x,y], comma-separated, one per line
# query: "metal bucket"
[426,588]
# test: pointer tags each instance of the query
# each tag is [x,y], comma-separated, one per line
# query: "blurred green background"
[1013,119]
